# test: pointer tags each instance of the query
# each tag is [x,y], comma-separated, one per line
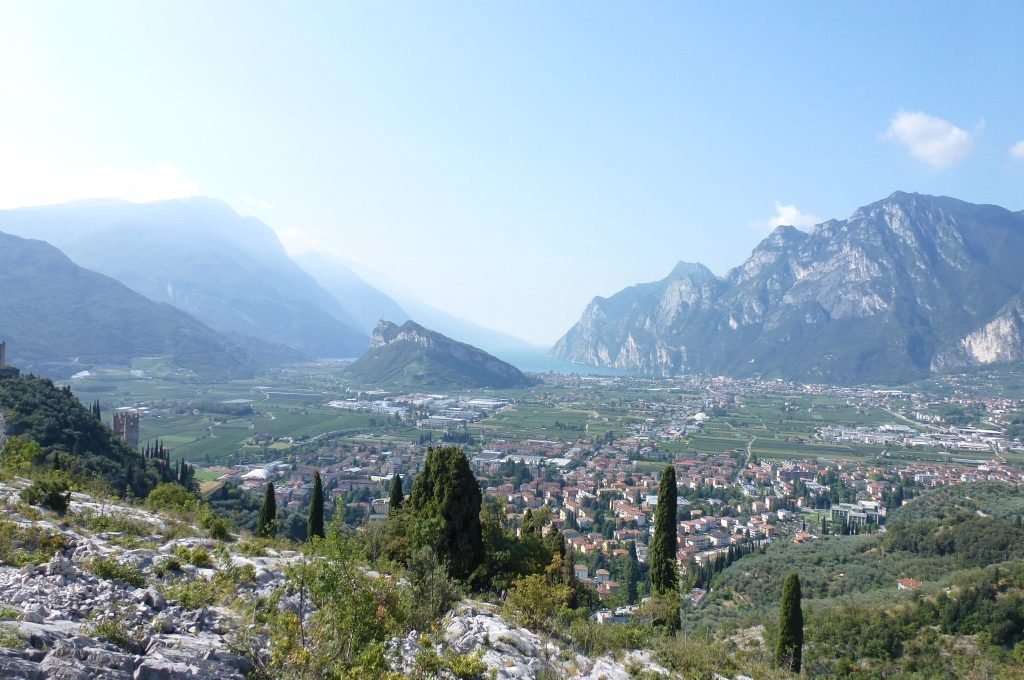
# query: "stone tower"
[5,370]
[126,427]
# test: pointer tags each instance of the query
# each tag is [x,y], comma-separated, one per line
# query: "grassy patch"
[110,569]
[21,545]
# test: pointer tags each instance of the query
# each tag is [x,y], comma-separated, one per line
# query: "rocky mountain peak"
[387,332]
[907,284]
[695,272]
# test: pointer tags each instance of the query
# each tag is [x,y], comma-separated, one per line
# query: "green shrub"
[115,632]
[51,491]
[110,569]
[222,589]
[17,457]
[21,545]
[533,601]
[173,499]
[166,565]
[432,592]
[11,638]
[193,594]
[114,522]
[198,556]
[430,664]
[216,527]
[594,639]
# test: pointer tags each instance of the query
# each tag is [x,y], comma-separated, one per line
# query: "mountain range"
[905,287]
[409,354]
[197,254]
[228,272]
[59,318]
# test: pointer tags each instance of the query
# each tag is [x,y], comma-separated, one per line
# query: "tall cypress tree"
[447,490]
[662,552]
[789,652]
[315,525]
[266,526]
[397,497]
[632,575]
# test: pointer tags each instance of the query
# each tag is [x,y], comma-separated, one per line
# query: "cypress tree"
[632,575]
[447,490]
[315,525]
[662,553]
[397,497]
[567,577]
[527,527]
[266,526]
[791,626]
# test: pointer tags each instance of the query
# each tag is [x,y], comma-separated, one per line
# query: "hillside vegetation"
[965,545]
[71,439]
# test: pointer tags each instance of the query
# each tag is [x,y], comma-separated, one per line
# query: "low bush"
[50,491]
[110,569]
[11,638]
[430,664]
[115,632]
[21,545]
[166,565]
[198,556]
[222,589]
[114,522]
[216,527]
[173,499]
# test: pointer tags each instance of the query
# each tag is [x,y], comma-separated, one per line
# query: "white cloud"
[789,215]
[933,140]
[1017,150]
[28,178]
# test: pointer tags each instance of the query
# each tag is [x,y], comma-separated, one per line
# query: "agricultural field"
[282,406]
[263,418]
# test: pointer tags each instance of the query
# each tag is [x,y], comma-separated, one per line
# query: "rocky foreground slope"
[113,604]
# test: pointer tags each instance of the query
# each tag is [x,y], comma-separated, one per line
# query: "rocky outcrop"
[64,614]
[514,653]
[411,354]
[905,286]
[62,607]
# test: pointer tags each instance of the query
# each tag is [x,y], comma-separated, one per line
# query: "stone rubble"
[59,603]
[514,653]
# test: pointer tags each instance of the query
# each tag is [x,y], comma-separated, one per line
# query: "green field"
[290,403]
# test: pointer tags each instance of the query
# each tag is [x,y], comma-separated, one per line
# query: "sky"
[507,162]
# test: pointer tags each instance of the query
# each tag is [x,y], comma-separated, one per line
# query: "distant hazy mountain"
[361,301]
[59,318]
[488,339]
[412,355]
[199,255]
[906,286]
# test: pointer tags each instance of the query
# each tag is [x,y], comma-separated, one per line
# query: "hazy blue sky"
[507,162]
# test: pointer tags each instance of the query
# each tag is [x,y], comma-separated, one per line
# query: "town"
[755,461]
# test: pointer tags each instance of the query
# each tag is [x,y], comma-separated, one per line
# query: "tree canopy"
[448,491]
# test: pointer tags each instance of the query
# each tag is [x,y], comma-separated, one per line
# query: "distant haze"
[508,163]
